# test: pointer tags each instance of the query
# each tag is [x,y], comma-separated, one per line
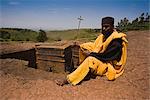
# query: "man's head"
[107,26]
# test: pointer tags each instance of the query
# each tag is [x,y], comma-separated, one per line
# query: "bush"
[42,36]
[27,39]
[4,35]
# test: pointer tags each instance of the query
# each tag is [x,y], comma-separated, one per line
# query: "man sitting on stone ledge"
[105,57]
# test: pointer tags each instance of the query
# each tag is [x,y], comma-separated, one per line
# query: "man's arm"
[113,51]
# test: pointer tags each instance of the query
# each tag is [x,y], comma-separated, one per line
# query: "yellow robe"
[114,68]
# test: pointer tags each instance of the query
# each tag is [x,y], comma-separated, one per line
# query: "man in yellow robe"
[104,57]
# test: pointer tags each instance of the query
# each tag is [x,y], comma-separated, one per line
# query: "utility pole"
[80,19]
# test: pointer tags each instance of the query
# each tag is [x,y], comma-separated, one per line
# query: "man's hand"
[86,52]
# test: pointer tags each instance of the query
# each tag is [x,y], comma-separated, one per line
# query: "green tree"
[147,19]
[140,23]
[141,18]
[135,24]
[42,36]
[123,24]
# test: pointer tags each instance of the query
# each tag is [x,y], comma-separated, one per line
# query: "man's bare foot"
[61,82]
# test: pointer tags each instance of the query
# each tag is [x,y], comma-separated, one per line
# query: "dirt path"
[18,82]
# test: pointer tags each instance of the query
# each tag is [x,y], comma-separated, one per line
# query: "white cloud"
[56,10]
[14,3]
[52,11]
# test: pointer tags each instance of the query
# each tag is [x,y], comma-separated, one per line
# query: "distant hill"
[17,34]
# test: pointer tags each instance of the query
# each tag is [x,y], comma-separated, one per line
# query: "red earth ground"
[19,82]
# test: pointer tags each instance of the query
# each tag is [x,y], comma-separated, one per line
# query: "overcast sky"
[63,14]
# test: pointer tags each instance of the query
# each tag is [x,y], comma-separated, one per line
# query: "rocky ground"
[19,82]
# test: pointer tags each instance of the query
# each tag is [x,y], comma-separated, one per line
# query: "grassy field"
[11,34]
[15,34]
[83,34]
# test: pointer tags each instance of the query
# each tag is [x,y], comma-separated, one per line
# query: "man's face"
[107,29]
